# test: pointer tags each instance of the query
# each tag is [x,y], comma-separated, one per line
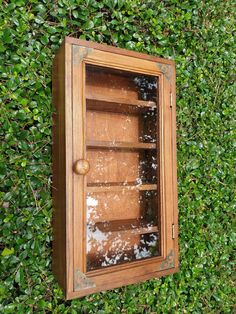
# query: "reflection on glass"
[112,248]
[146,86]
[122,184]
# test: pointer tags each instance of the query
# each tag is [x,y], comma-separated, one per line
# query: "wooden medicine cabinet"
[114,168]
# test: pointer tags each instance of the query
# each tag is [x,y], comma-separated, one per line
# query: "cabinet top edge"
[112,49]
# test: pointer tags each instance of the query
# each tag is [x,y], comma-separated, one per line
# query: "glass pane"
[123,221]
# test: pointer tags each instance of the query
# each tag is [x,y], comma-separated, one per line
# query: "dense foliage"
[198,35]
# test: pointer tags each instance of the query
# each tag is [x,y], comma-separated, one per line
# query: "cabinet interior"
[122,148]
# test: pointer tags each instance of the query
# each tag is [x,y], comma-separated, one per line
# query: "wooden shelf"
[120,145]
[124,101]
[113,187]
[99,102]
[134,226]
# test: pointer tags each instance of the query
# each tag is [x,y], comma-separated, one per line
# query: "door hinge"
[171,100]
[173,231]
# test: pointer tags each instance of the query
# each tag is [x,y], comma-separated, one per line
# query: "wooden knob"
[81,166]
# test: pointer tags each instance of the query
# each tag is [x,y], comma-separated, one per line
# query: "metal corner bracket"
[81,281]
[79,53]
[166,69]
[169,262]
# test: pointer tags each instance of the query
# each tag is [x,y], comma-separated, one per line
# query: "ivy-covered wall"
[198,35]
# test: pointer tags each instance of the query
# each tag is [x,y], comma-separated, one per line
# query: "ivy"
[199,36]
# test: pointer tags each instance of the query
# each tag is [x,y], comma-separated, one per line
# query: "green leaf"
[75,14]
[7,251]
[88,25]
[44,39]
[7,35]
[19,277]
[115,37]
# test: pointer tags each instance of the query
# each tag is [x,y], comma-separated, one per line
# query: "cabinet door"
[124,195]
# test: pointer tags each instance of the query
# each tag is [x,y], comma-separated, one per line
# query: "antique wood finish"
[97,154]
[62,171]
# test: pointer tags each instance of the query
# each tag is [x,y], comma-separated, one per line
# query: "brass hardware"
[81,281]
[81,166]
[169,262]
[173,231]
[166,69]
[171,100]
[79,53]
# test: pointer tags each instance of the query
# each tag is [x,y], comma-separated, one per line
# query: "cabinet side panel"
[175,186]
[59,169]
